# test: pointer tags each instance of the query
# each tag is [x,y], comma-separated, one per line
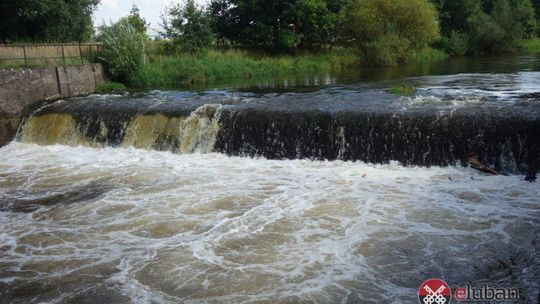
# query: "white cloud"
[110,4]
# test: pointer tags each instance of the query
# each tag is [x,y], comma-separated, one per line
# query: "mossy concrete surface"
[21,90]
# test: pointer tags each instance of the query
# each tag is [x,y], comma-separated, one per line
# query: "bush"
[531,46]
[387,50]
[389,31]
[159,47]
[403,90]
[457,44]
[110,88]
[430,55]
[123,50]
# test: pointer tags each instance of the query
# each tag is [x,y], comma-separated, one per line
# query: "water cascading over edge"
[195,133]
[506,138]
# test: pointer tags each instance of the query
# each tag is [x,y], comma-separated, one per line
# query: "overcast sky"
[151,10]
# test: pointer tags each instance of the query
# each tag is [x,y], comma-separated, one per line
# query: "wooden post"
[63,56]
[80,53]
[91,57]
[24,53]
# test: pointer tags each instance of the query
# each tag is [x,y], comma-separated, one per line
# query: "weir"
[374,127]
[22,90]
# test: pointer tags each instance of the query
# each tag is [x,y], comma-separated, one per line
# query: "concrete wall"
[23,89]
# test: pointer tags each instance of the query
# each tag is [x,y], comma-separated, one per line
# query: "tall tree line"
[466,26]
[374,26]
[46,20]
[277,25]
[486,26]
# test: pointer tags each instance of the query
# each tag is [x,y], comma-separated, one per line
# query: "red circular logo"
[434,291]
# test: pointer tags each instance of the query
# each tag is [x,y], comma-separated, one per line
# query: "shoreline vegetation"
[241,39]
[246,39]
[531,46]
[195,70]
[214,65]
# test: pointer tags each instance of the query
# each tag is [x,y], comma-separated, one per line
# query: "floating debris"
[477,165]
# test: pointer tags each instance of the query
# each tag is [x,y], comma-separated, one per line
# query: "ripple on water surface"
[127,225]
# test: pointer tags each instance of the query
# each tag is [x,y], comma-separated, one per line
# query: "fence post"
[91,56]
[63,56]
[80,53]
[24,53]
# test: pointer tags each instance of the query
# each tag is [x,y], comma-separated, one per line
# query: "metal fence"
[30,55]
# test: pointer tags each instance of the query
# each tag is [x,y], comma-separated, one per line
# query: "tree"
[536,4]
[46,20]
[454,14]
[387,31]
[276,25]
[317,21]
[484,33]
[503,28]
[524,15]
[137,22]
[486,26]
[188,26]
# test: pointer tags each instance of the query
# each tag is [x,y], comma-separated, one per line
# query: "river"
[278,191]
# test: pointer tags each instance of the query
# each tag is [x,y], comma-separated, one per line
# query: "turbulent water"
[333,194]
[125,225]
[495,118]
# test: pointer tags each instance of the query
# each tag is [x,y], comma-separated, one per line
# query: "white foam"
[450,102]
[211,228]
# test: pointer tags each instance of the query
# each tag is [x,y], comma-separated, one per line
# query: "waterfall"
[198,133]
[52,129]
[195,133]
[157,132]
[507,139]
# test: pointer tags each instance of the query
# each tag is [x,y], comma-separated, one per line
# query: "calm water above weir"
[382,77]
[329,191]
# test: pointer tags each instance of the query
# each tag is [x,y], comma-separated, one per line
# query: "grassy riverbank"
[532,46]
[212,66]
[186,69]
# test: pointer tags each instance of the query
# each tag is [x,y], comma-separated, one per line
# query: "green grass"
[45,55]
[430,55]
[110,88]
[214,66]
[403,90]
[39,63]
[532,46]
[188,69]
